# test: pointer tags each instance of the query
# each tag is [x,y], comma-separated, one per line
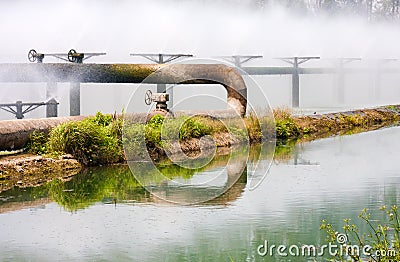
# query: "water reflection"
[178,184]
[116,184]
[113,218]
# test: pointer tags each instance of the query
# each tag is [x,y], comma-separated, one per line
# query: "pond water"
[103,214]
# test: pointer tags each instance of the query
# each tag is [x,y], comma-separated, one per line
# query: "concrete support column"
[19,114]
[75,99]
[52,108]
[295,84]
[295,62]
[161,88]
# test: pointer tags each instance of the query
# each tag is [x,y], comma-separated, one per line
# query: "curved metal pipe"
[134,73]
[14,134]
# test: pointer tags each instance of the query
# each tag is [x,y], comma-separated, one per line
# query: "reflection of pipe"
[163,186]
[133,73]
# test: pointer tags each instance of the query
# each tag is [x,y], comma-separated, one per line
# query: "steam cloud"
[202,28]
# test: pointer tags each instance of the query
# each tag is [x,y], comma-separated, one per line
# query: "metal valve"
[72,56]
[75,57]
[34,56]
[160,99]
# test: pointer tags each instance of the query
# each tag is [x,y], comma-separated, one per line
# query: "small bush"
[100,119]
[239,133]
[253,126]
[193,128]
[188,127]
[37,143]
[134,141]
[284,124]
[93,141]
[153,130]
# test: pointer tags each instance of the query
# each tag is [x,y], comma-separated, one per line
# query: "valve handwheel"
[71,55]
[147,97]
[32,55]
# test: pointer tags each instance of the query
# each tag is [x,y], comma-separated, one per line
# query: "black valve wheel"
[32,55]
[147,97]
[72,56]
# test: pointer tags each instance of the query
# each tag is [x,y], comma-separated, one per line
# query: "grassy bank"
[94,141]
[316,126]
[99,140]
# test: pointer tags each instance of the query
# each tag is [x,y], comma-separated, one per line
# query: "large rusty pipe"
[133,73]
[15,133]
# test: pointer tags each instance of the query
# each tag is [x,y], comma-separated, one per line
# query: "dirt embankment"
[33,170]
[319,126]
[30,170]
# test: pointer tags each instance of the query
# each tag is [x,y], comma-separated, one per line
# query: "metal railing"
[19,109]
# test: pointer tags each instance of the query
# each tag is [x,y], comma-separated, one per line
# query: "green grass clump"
[160,128]
[253,125]
[37,143]
[284,124]
[101,119]
[353,120]
[93,141]
[160,132]
[153,130]
[393,108]
[191,127]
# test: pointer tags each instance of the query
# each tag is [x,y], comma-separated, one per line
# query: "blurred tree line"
[369,9]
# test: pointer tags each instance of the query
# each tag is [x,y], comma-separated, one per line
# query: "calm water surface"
[103,214]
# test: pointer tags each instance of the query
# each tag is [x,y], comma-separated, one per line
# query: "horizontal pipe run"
[309,70]
[14,134]
[133,73]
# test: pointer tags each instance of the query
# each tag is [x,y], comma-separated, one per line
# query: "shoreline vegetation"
[99,140]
